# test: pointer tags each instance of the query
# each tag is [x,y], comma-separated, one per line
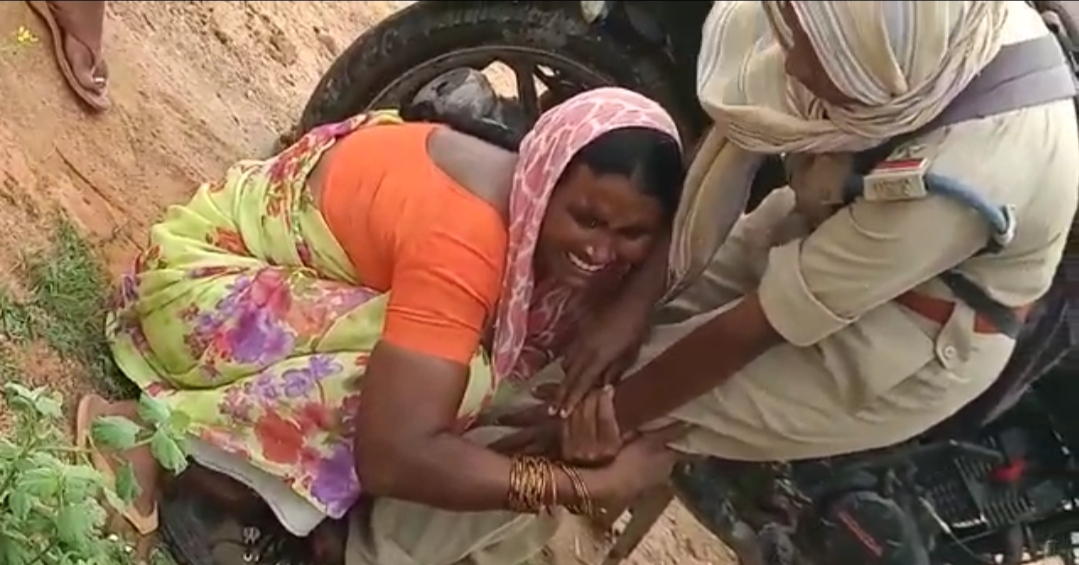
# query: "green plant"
[68,295]
[51,509]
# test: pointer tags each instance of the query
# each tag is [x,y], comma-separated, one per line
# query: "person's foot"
[80,27]
[141,459]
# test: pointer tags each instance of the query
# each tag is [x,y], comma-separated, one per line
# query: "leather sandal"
[97,100]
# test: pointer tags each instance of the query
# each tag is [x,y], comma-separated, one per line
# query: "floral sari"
[245,314]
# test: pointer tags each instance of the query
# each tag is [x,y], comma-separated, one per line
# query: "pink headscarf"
[531,321]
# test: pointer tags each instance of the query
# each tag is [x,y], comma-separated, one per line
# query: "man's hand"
[606,345]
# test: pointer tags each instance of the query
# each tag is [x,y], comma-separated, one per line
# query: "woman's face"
[802,61]
[595,224]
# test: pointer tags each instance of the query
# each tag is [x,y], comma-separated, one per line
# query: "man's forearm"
[692,366]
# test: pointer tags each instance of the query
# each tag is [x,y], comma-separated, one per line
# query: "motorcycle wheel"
[390,62]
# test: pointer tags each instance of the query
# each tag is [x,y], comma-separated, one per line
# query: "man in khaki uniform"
[815,331]
[862,344]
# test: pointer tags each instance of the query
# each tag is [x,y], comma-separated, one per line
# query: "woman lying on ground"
[333,320]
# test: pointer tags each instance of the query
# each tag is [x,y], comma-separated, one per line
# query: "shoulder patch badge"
[900,177]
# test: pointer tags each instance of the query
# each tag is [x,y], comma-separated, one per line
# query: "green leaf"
[167,451]
[17,390]
[20,502]
[18,396]
[41,482]
[49,405]
[127,486]
[115,432]
[114,500]
[153,410]
[8,450]
[179,423]
[81,481]
[74,525]
[14,552]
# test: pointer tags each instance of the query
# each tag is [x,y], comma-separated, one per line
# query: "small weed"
[16,320]
[22,37]
[51,495]
[49,509]
[8,367]
[69,292]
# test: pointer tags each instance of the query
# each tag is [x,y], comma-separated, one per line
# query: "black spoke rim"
[560,76]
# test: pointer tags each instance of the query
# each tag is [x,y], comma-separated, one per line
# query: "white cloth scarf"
[902,61]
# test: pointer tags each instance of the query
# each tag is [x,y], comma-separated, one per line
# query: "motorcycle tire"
[425,31]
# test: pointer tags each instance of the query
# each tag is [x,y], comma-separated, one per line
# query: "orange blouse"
[410,229]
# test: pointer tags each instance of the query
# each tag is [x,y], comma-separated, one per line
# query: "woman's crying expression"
[595,224]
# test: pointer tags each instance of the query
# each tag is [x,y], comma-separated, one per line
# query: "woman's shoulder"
[481,169]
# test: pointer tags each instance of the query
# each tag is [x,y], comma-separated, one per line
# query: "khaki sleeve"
[864,255]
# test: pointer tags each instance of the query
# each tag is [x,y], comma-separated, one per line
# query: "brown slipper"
[96,100]
[144,524]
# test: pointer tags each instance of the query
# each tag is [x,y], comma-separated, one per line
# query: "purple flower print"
[256,339]
[232,303]
[265,388]
[335,483]
[128,290]
[323,366]
[298,382]
[236,406]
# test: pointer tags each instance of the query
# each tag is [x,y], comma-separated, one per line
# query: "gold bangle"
[552,481]
[583,505]
[530,480]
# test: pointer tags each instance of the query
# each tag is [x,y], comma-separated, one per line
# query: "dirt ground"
[195,86]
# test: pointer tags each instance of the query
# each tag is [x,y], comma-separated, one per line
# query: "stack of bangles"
[534,487]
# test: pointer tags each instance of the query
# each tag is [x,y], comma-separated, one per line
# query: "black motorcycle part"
[428,31]
[971,491]
[197,531]
[864,527]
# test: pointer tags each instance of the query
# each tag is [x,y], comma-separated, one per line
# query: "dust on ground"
[195,86]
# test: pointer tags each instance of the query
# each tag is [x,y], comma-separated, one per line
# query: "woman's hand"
[606,345]
[643,464]
[590,436]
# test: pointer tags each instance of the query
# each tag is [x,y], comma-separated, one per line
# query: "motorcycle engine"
[898,514]
[867,528]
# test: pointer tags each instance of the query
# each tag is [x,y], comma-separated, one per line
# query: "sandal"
[198,532]
[144,524]
[96,100]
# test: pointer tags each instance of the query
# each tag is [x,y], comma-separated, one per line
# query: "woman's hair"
[651,159]
[648,157]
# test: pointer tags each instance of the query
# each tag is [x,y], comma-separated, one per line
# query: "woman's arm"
[407,445]
[444,288]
